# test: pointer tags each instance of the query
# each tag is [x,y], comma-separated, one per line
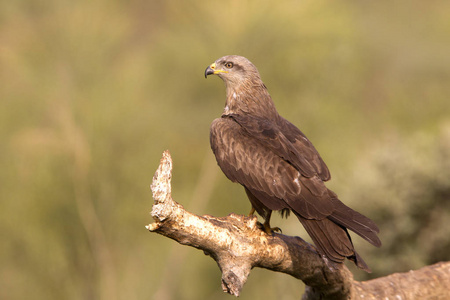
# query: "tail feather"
[359,262]
[332,240]
[355,221]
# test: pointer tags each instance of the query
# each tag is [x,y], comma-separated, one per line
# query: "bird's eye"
[229,65]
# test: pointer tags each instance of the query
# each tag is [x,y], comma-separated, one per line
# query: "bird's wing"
[286,141]
[300,142]
[258,157]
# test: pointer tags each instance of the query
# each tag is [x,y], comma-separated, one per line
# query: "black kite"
[278,166]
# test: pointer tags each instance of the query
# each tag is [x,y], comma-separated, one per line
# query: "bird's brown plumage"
[278,166]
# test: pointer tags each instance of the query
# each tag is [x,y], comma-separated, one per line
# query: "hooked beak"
[208,71]
[211,70]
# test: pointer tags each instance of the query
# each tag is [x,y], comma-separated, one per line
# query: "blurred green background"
[92,93]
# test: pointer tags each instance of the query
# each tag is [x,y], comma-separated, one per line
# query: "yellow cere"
[213,66]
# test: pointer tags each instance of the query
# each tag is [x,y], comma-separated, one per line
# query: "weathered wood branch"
[238,244]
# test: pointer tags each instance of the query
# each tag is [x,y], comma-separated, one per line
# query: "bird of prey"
[278,166]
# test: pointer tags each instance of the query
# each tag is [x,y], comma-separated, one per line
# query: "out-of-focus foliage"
[92,92]
[405,183]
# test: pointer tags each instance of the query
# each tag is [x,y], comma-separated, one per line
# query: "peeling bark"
[238,244]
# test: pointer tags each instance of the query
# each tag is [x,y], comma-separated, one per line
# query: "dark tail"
[332,240]
[331,237]
[353,220]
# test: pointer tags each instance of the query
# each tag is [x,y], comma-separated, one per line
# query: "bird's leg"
[252,211]
[267,228]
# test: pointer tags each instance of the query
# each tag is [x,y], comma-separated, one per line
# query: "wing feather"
[247,160]
[286,141]
[305,147]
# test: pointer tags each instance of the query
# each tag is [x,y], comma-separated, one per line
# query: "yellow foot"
[252,211]
[270,230]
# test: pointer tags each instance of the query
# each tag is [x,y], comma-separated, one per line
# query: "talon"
[277,229]
[271,230]
[261,226]
[266,226]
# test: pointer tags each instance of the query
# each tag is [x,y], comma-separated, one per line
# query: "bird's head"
[246,93]
[234,70]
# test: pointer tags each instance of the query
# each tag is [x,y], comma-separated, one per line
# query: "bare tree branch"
[238,244]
